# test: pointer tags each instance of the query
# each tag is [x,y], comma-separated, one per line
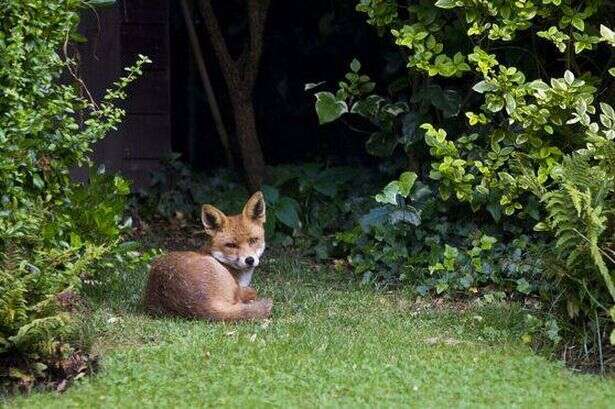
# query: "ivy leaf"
[409,127]
[355,65]
[408,215]
[271,194]
[381,144]
[495,210]
[329,108]
[368,107]
[375,216]
[421,194]
[448,101]
[286,212]
[389,193]
[327,186]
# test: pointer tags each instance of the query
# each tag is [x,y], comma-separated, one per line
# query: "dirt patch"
[170,235]
[579,358]
[21,375]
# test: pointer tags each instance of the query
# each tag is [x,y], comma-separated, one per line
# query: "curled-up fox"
[214,283]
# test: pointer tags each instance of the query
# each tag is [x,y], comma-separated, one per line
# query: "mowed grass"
[329,344]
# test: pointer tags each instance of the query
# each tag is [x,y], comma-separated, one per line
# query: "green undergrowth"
[330,343]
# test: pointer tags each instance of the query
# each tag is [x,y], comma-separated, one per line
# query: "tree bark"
[240,76]
[245,129]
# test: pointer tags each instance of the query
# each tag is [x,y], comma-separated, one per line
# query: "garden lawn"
[329,344]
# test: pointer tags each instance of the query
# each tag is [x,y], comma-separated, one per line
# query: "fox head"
[237,241]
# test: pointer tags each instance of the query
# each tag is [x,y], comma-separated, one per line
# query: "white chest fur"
[245,277]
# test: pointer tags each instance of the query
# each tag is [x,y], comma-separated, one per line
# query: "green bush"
[53,232]
[503,110]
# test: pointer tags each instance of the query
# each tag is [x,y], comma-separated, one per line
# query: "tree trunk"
[247,137]
[240,75]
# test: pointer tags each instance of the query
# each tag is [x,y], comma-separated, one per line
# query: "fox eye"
[231,245]
[253,240]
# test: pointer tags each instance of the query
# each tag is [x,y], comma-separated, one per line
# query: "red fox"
[214,283]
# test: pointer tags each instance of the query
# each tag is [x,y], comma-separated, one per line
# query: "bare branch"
[211,96]
[228,65]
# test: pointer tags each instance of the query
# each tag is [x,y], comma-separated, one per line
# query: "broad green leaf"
[542,226]
[420,194]
[38,181]
[287,212]
[381,144]
[511,104]
[523,286]
[608,35]
[101,3]
[569,77]
[495,210]
[312,85]
[578,23]
[406,182]
[539,85]
[329,108]
[484,86]
[409,127]
[389,193]
[271,194]
[446,4]
[407,215]
[355,65]
[368,107]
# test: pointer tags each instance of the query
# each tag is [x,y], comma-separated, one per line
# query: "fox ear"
[212,219]
[255,208]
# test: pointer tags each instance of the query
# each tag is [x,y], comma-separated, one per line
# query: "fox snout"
[237,261]
[248,262]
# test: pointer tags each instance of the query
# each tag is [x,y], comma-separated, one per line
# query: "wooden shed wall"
[116,35]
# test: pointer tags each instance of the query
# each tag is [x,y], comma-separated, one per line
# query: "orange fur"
[205,284]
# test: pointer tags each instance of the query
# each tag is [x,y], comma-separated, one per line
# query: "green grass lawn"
[328,344]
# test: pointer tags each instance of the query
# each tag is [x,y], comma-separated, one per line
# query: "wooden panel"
[139,171]
[145,11]
[100,55]
[148,39]
[146,137]
[129,28]
[149,94]
[99,64]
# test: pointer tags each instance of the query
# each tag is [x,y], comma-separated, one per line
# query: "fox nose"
[250,261]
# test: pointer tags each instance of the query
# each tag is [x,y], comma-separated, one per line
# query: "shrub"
[306,203]
[52,230]
[497,112]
